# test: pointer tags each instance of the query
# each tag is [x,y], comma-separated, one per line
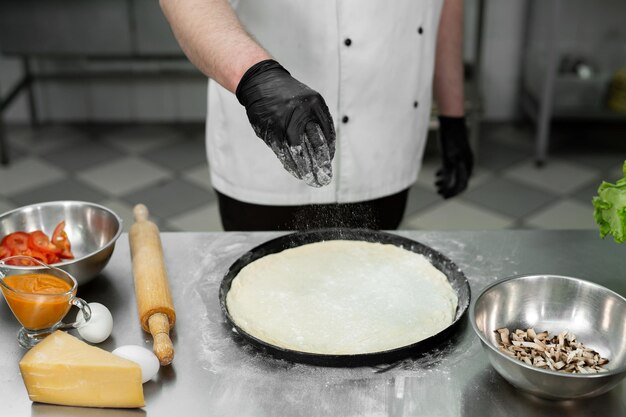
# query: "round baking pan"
[453,273]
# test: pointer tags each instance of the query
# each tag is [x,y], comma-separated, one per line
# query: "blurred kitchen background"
[98,103]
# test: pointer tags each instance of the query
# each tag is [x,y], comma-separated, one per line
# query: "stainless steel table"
[215,374]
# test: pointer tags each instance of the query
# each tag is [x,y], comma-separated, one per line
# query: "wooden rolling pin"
[154,301]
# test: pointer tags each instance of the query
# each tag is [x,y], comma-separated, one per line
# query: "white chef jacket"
[371,60]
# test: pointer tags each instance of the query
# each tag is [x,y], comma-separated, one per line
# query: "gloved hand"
[290,118]
[457,157]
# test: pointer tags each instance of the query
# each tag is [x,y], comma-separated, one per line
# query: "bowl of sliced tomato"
[76,236]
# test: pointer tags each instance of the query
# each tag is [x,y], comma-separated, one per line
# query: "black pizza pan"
[453,273]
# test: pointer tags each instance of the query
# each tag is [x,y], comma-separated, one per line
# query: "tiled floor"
[164,166]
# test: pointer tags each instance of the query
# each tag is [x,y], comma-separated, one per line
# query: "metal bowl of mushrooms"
[553,336]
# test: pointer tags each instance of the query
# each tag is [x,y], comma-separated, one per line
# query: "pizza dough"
[342,297]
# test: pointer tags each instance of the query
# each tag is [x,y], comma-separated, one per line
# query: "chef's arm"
[213,39]
[291,118]
[449,60]
[456,155]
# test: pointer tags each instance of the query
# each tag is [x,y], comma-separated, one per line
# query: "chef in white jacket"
[282,70]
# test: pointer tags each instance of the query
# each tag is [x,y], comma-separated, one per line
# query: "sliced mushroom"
[560,352]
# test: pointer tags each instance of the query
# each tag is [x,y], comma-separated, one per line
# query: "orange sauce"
[39,300]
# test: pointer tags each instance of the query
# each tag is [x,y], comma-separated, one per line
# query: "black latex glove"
[290,118]
[457,157]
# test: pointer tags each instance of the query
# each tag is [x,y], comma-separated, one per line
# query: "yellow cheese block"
[64,370]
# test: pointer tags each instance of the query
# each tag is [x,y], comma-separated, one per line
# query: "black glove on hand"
[291,119]
[457,157]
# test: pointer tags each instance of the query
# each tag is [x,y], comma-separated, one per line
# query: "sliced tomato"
[61,241]
[16,241]
[66,254]
[20,252]
[4,252]
[38,255]
[21,262]
[37,245]
[52,258]
[25,262]
[39,241]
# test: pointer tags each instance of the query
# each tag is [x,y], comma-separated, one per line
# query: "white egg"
[147,361]
[99,326]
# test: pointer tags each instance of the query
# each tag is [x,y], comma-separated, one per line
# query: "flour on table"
[342,297]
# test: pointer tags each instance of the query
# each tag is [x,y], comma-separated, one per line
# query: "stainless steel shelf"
[540,105]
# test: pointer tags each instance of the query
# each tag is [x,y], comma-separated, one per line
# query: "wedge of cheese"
[64,370]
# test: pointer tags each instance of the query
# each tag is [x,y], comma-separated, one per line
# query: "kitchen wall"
[101,28]
[10,73]
[502,48]
[166,99]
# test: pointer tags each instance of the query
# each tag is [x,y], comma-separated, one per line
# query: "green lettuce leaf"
[610,209]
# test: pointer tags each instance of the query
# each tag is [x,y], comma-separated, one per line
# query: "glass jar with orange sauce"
[39,296]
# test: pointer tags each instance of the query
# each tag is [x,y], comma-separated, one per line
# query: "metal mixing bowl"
[92,230]
[596,315]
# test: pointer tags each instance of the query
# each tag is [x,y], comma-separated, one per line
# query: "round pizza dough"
[342,297]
